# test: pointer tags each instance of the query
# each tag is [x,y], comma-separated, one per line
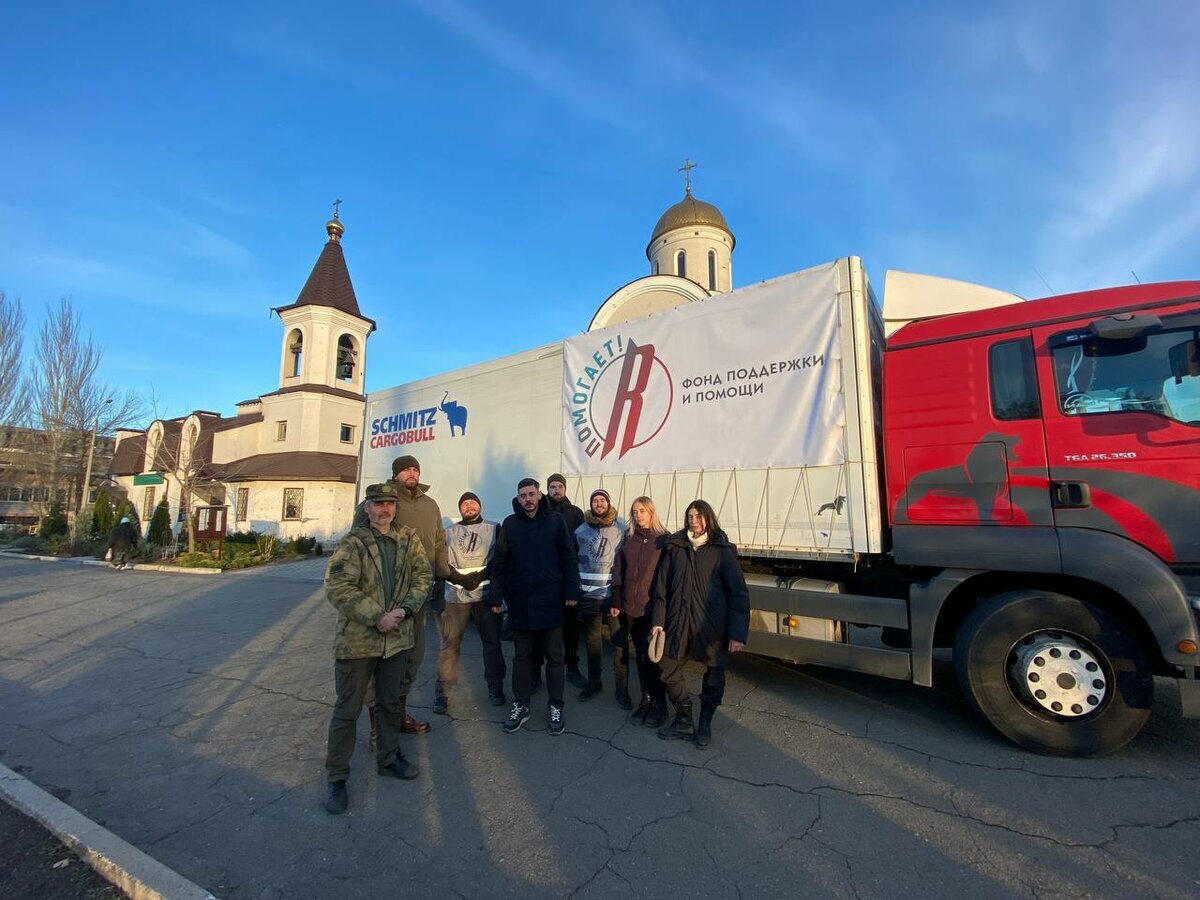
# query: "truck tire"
[1054,674]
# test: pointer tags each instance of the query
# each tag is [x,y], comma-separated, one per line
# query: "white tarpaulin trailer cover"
[788,460]
[740,381]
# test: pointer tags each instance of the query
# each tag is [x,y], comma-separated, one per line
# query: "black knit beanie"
[400,463]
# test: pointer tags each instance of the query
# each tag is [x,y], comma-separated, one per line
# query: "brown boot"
[409,725]
[373,740]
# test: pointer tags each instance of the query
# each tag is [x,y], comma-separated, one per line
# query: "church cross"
[686,169]
[336,204]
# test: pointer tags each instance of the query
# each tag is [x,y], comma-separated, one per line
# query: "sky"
[170,167]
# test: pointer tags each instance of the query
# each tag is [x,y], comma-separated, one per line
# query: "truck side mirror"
[1184,358]
[1124,326]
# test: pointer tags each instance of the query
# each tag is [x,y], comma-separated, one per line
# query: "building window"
[281,431]
[656,267]
[293,503]
[346,434]
[148,504]
[296,349]
[681,264]
[712,270]
[243,502]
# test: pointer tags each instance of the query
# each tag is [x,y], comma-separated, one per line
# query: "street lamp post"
[87,473]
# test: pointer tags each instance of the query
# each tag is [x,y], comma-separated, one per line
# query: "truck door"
[1121,399]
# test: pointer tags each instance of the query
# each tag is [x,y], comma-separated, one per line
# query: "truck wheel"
[1054,674]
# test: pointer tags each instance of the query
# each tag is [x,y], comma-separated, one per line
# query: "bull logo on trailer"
[417,426]
[621,399]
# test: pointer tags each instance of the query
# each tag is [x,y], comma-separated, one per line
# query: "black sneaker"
[497,699]
[517,717]
[556,725]
[336,798]
[575,677]
[589,691]
[440,706]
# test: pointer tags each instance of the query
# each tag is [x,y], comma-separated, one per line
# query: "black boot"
[336,798]
[704,726]
[657,714]
[680,728]
[643,710]
[623,699]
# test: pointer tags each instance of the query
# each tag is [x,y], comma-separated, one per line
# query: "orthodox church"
[690,254]
[286,463]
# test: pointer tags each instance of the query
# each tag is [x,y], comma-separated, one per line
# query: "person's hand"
[497,609]
[472,581]
[613,612]
[736,646]
[656,629]
[572,603]
[390,621]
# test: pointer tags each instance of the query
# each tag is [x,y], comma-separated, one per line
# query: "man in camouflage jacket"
[378,580]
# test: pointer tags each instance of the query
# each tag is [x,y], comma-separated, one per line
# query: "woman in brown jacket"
[633,573]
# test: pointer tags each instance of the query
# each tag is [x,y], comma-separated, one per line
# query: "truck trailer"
[1016,481]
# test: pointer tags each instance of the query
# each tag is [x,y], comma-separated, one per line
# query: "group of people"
[560,575]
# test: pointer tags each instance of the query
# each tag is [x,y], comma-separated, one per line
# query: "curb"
[87,561]
[140,876]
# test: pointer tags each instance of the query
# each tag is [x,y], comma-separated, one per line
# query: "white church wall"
[696,241]
[327,508]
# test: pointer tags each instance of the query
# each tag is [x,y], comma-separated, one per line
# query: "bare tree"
[12,338]
[69,403]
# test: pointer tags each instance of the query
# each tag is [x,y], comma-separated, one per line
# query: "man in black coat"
[123,540]
[556,493]
[535,574]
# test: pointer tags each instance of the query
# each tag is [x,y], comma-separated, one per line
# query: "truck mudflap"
[1189,697]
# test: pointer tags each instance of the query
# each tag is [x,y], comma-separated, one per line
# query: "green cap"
[388,490]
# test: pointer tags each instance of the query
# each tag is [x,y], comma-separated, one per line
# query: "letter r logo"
[635,375]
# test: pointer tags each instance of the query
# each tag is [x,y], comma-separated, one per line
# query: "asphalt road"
[188,715]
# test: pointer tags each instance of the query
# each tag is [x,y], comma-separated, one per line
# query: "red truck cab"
[1043,458]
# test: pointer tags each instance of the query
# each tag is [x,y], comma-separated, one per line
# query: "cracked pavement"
[188,715]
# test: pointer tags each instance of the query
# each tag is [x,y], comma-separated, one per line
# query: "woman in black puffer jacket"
[699,599]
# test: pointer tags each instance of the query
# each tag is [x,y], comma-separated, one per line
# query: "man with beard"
[470,544]
[598,539]
[377,580]
[535,574]
[415,509]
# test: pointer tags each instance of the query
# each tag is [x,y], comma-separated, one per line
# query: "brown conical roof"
[329,282]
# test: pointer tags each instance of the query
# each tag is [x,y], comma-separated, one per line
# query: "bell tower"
[324,333]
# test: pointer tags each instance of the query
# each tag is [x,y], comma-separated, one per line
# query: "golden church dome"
[688,212]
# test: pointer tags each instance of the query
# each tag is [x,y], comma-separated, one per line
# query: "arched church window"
[681,264]
[187,447]
[153,444]
[347,358]
[296,349]
[712,270]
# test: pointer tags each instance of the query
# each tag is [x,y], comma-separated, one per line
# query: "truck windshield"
[1095,376]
